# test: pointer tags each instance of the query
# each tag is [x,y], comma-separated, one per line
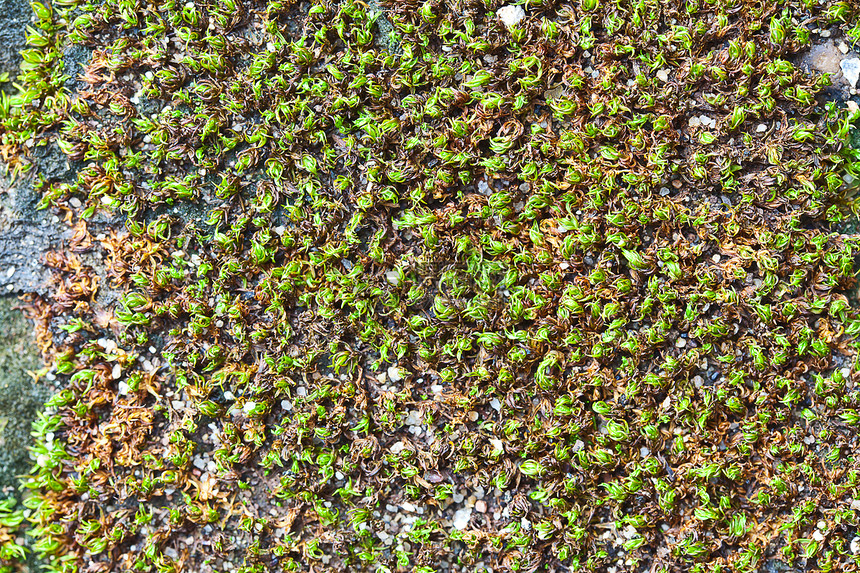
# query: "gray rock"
[20,396]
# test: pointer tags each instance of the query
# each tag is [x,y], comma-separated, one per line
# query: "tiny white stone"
[249,406]
[461,518]
[397,447]
[843,47]
[481,506]
[394,374]
[855,545]
[123,388]
[116,372]
[851,70]
[436,388]
[694,122]
[681,343]
[495,404]
[663,75]
[511,15]
[644,452]
[818,536]
[10,271]
[286,405]
[392,278]
[761,128]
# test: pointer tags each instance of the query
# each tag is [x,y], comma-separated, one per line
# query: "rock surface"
[20,397]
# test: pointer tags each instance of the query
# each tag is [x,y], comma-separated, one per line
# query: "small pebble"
[851,70]
[510,15]
[394,374]
[481,506]
[461,518]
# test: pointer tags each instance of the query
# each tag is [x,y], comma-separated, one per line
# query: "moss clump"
[559,294]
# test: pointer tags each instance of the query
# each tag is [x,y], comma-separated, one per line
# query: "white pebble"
[394,374]
[116,372]
[663,75]
[511,15]
[392,278]
[461,518]
[495,404]
[851,70]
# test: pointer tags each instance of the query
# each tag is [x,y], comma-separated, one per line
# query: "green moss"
[478,300]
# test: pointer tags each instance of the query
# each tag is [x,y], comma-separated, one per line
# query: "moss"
[562,293]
